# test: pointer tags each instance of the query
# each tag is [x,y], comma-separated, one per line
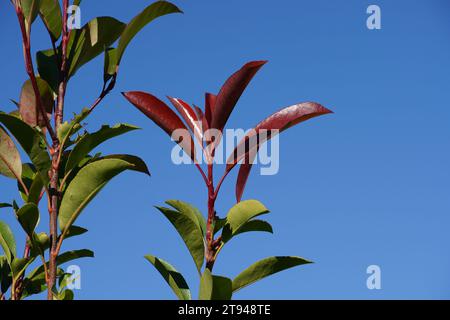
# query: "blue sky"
[366,185]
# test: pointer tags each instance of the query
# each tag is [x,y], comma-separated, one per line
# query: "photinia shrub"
[205,238]
[61,169]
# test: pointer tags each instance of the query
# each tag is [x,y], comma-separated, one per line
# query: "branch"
[63,74]
[30,69]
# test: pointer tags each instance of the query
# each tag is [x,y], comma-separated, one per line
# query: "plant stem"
[54,179]
[211,219]
[26,42]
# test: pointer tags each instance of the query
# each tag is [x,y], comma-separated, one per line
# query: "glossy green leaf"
[219,224]
[153,11]
[75,231]
[73,255]
[29,111]
[255,225]
[5,275]
[40,243]
[50,12]
[37,284]
[139,165]
[28,217]
[28,175]
[30,9]
[90,41]
[173,278]
[48,68]
[206,286]
[35,190]
[19,266]
[7,242]
[214,287]
[61,259]
[85,186]
[190,211]
[239,215]
[67,295]
[110,63]
[222,288]
[89,141]
[67,129]
[265,268]
[33,182]
[189,230]
[31,142]
[10,162]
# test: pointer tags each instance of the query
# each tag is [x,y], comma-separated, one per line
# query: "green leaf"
[5,205]
[153,11]
[222,288]
[67,129]
[28,175]
[206,286]
[85,186]
[61,259]
[31,142]
[27,104]
[139,165]
[73,255]
[110,64]
[33,182]
[90,41]
[5,275]
[35,190]
[75,231]
[255,225]
[36,285]
[65,295]
[189,230]
[190,211]
[173,278]
[239,215]
[40,243]
[30,9]
[214,287]
[89,141]
[10,162]
[265,268]
[48,68]
[7,242]
[219,224]
[19,266]
[28,217]
[50,12]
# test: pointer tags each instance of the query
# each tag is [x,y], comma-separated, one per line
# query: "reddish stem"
[54,179]
[26,42]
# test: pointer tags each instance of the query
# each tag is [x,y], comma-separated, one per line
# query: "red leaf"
[28,108]
[231,91]
[210,102]
[189,116]
[201,116]
[280,121]
[162,115]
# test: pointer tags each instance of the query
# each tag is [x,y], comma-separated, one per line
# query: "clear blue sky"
[367,185]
